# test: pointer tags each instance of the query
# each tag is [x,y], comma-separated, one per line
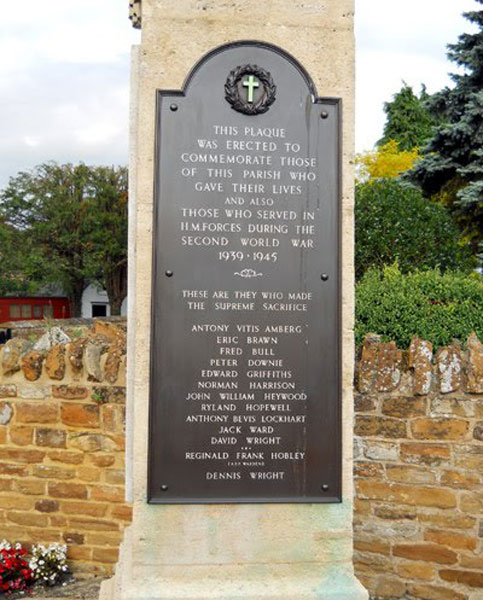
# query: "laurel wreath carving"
[232,94]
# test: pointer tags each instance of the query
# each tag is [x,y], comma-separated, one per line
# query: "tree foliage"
[408,121]
[385,162]
[108,253]
[395,222]
[453,160]
[12,276]
[432,305]
[58,217]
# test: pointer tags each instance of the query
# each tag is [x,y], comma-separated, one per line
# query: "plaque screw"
[324,277]
[325,488]
[174,107]
[164,488]
[324,115]
[169,273]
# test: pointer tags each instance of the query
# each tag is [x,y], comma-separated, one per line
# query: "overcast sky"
[64,73]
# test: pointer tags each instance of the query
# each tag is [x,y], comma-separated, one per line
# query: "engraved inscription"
[245,366]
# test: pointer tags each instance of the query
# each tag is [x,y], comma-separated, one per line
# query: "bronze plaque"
[245,365]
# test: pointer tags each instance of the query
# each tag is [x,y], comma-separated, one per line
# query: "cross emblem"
[251,83]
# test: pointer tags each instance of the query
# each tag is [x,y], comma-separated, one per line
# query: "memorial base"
[267,563]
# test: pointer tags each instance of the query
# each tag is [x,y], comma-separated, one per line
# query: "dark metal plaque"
[245,365]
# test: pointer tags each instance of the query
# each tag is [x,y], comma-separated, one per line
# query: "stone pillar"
[238,551]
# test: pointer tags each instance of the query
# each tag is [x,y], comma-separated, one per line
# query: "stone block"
[104,394]
[428,454]
[474,370]
[433,592]
[364,403]
[89,474]
[53,337]
[8,469]
[111,366]
[453,407]
[74,353]
[31,487]
[395,513]
[106,493]
[35,412]
[47,506]
[80,415]
[73,538]
[406,494]
[31,364]
[48,472]
[28,519]
[123,512]
[53,438]
[69,392]
[420,360]
[452,520]
[105,555]
[426,552]
[6,412]
[92,442]
[409,474]
[94,524]
[13,350]
[452,539]
[8,390]
[92,361]
[21,436]
[67,490]
[449,362]
[372,425]
[478,432]
[380,365]
[114,476]
[459,480]
[67,457]
[21,455]
[415,570]
[403,407]
[472,502]
[389,587]
[102,460]
[89,509]
[55,362]
[374,545]
[368,469]
[469,578]
[439,429]
[384,451]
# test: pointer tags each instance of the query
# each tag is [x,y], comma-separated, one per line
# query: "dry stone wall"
[419,469]
[62,412]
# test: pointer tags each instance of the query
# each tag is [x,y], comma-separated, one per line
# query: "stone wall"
[62,406]
[418,449]
[419,469]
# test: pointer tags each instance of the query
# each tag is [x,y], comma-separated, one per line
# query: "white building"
[95,303]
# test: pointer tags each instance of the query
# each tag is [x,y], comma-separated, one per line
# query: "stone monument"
[240,362]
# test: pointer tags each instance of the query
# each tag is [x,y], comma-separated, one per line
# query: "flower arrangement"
[49,564]
[15,573]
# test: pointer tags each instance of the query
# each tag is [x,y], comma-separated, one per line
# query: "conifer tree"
[452,167]
[408,120]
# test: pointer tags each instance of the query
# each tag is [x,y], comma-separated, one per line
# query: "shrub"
[395,222]
[432,305]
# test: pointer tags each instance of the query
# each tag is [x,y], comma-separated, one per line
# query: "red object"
[17,308]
